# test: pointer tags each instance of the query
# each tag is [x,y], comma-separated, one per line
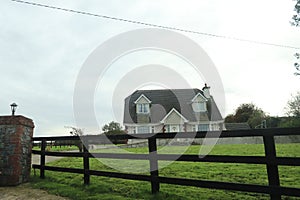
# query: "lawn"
[58,148]
[71,185]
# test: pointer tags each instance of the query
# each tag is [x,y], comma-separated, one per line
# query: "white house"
[176,110]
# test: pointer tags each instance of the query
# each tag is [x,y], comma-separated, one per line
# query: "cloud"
[42,50]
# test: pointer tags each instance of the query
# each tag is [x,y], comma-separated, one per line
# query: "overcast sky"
[42,51]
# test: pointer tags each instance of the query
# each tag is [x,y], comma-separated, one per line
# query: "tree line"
[257,118]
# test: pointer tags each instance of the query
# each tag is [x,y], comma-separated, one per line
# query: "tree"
[297,65]
[293,106]
[75,132]
[257,119]
[287,122]
[296,22]
[293,113]
[230,118]
[244,112]
[273,122]
[296,17]
[114,128]
[247,113]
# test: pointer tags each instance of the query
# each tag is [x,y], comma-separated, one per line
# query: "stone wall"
[15,149]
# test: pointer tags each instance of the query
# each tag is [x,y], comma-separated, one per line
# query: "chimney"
[206,92]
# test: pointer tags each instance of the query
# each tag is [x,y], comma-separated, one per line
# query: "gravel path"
[25,192]
[35,159]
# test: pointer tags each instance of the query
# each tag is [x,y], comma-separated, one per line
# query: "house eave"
[199,94]
[141,124]
[178,113]
[142,96]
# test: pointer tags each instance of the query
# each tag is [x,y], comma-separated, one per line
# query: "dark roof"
[237,126]
[162,102]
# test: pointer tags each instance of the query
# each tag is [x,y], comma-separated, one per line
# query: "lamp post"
[13,108]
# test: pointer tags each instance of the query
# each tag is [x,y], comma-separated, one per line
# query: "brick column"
[15,149]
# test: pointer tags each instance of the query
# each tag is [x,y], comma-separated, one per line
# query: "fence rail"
[270,160]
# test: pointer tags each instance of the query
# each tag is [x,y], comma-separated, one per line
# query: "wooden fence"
[270,160]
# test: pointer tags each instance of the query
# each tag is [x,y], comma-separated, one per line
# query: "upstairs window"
[142,108]
[199,106]
[199,103]
[142,105]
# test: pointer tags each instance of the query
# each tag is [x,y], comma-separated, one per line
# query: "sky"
[42,52]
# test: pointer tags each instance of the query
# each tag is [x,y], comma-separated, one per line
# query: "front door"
[174,128]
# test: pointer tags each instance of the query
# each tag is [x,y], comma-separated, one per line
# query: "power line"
[155,25]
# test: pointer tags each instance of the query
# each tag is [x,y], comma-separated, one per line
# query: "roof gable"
[142,99]
[174,119]
[199,97]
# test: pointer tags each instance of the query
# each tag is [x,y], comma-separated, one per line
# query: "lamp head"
[13,108]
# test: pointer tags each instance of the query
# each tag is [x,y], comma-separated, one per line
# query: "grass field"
[58,148]
[71,185]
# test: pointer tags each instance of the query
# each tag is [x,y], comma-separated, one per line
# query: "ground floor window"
[215,127]
[143,129]
[203,127]
[152,129]
[194,128]
[174,128]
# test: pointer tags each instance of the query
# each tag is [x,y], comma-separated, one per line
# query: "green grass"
[71,185]
[58,148]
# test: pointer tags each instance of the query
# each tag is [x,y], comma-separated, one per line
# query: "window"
[143,129]
[174,128]
[220,126]
[142,108]
[199,106]
[215,127]
[194,128]
[203,127]
[152,129]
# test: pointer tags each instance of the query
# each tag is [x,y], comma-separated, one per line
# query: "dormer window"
[199,106]
[142,108]
[199,103]
[142,105]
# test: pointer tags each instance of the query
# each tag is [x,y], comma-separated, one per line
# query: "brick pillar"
[15,149]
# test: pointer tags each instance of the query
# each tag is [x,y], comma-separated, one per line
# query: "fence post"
[43,158]
[153,165]
[86,165]
[272,167]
